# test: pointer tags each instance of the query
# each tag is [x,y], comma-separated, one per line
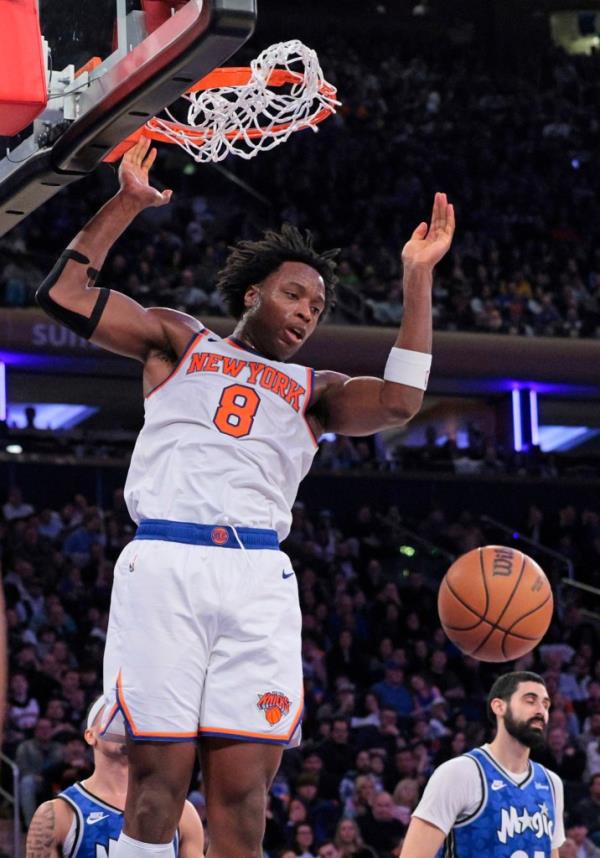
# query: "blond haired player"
[204,632]
[86,819]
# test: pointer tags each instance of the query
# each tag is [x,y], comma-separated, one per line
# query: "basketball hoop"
[244,111]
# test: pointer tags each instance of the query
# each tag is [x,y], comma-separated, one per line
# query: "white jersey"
[225,439]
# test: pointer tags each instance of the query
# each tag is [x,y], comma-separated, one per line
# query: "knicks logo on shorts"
[219,535]
[274,704]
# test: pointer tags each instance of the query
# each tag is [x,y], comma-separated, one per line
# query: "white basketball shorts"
[204,637]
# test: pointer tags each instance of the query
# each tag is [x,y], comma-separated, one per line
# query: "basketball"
[495,603]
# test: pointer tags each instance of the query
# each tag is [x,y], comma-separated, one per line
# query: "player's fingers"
[420,231]
[436,213]
[128,155]
[140,149]
[165,197]
[441,213]
[149,159]
[450,219]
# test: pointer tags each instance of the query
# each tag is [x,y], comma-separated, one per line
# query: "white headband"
[95,710]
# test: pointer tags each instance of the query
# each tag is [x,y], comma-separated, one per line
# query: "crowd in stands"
[514,151]
[387,697]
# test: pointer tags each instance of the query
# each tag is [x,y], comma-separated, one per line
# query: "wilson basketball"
[495,603]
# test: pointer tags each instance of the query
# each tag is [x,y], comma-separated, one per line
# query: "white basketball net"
[223,121]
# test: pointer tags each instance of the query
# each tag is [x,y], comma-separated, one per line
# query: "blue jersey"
[512,821]
[96,827]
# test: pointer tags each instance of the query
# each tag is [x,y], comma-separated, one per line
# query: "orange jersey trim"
[309,391]
[189,348]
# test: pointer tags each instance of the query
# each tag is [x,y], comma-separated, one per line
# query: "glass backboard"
[111,65]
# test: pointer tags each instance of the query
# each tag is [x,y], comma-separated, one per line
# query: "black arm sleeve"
[84,326]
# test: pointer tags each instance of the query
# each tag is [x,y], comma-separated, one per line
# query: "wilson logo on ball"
[503,562]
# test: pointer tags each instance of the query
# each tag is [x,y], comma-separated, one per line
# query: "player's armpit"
[48,829]
[362,406]
[191,833]
[422,839]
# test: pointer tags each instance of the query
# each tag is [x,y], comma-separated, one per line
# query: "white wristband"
[407,367]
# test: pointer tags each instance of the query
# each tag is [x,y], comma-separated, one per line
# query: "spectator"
[406,798]
[380,826]
[589,809]
[365,790]
[15,507]
[322,813]
[362,766]
[329,850]
[23,709]
[392,692]
[371,716]
[337,752]
[35,757]
[577,831]
[303,842]
[562,757]
[568,849]
[79,543]
[297,812]
[443,677]
[348,838]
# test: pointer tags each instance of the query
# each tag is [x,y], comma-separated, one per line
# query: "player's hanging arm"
[48,829]
[361,406]
[108,318]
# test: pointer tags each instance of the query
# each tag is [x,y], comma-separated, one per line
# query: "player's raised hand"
[429,243]
[134,180]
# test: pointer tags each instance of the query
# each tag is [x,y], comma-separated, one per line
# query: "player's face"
[104,749]
[114,751]
[526,715]
[284,309]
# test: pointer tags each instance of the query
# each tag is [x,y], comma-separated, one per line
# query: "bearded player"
[494,800]
[204,631]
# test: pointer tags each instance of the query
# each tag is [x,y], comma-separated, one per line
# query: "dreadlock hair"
[250,262]
[506,685]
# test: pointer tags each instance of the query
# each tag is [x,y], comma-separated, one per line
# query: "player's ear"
[498,706]
[251,297]
[90,738]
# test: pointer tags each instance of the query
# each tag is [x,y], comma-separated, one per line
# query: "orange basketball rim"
[241,106]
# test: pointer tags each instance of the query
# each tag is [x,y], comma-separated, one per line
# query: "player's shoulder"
[460,771]
[51,822]
[463,766]
[175,323]
[325,382]
[327,377]
[178,332]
